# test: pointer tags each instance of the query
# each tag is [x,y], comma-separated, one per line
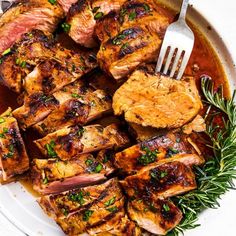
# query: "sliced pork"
[170,103]
[54,176]
[164,148]
[134,38]
[13,156]
[157,217]
[83,16]
[69,142]
[26,16]
[90,210]
[161,180]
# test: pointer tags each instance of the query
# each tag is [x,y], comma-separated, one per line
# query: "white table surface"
[228,29]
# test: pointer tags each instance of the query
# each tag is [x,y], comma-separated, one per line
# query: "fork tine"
[161,58]
[183,64]
[168,61]
[177,57]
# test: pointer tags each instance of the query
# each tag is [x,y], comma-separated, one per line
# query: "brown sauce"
[203,61]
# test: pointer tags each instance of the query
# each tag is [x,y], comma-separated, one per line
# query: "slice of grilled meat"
[54,176]
[79,104]
[134,38]
[86,209]
[83,16]
[13,156]
[163,180]
[25,16]
[35,47]
[157,217]
[70,142]
[170,103]
[66,4]
[162,148]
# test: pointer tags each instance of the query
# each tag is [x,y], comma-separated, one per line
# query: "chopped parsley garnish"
[117,40]
[98,168]
[98,15]
[80,131]
[7,51]
[166,207]
[148,157]
[50,149]
[77,197]
[89,162]
[4,131]
[124,46]
[2,120]
[0,61]
[171,151]
[20,63]
[65,211]
[110,201]
[146,7]
[105,159]
[163,174]
[75,95]
[66,27]
[155,174]
[132,16]
[45,180]
[95,9]
[87,215]
[53,2]
[112,209]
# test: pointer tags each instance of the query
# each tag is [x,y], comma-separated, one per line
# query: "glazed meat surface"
[13,156]
[83,16]
[170,103]
[52,176]
[157,217]
[25,16]
[161,180]
[134,38]
[69,142]
[78,104]
[32,49]
[164,148]
[90,210]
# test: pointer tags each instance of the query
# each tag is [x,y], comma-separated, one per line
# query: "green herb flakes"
[110,202]
[87,215]
[66,27]
[89,162]
[148,157]
[50,149]
[95,9]
[166,207]
[98,15]
[7,51]
[45,180]
[75,95]
[112,209]
[80,131]
[53,2]
[2,120]
[77,197]
[98,168]
[132,16]
[65,211]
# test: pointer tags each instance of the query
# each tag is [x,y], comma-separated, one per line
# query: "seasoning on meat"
[13,156]
[69,142]
[54,176]
[164,148]
[170,103]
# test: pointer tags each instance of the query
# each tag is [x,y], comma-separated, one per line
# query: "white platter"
[21,209]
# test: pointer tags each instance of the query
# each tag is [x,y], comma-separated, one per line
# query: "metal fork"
[176,47]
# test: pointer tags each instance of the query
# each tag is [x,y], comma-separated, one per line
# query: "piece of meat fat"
[83,210]
[164,148]
[157,94]
[160,181]
[25,16]
[69,142]
[13,156]
[54,176]
[157,217]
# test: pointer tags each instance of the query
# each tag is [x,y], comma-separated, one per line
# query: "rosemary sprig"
[217,175]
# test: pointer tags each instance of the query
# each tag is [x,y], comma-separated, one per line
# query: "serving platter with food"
[92,140]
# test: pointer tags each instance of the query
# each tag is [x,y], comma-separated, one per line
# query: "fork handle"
[183,10]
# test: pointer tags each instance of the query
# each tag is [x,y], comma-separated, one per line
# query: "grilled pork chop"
[88,211]
[70,142]
[163,180]
[35,47]
[25,16]
[13,157]
[170,103]
[83,16]
[166,147]
[157,217]
[134,38]
[79,104]
[52,176]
